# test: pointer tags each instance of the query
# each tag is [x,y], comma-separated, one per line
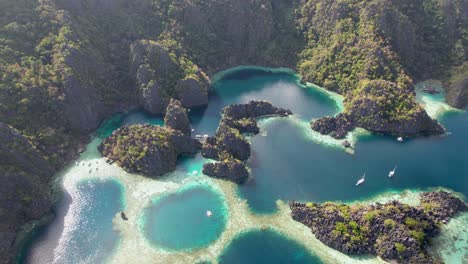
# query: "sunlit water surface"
[288,162]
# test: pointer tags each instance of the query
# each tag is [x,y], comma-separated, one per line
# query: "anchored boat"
[361,181]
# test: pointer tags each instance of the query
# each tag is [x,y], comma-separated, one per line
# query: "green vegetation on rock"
[353,43]
[147,149]
[394,231]
[66,65]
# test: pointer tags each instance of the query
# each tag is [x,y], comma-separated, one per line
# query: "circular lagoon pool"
[188,219]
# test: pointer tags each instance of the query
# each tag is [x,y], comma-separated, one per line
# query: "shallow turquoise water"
[285,164]
[270,247]
[85,231]
[178,221]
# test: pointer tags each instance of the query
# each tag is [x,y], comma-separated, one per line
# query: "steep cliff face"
[83,107]
[371,51]
[224,34]
[72,57]
[24,191]
[457,86]
[238,31]
[394,26]
[176,117]
[161,73]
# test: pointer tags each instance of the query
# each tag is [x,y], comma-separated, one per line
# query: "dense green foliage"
[130,144]
[389,101]
[346,41]
[68,60]
[30,86]
[36,40]
[351,41]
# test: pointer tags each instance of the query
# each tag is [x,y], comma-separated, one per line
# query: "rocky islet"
[89,80]
[393,231]
[229,147]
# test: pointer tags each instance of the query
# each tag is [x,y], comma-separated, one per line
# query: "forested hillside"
[65,65]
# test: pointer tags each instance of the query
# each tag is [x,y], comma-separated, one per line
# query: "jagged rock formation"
[382,107]
[146,149]
[233,170]
[176,117]
[354,45]
[161,74]
[337,127]
[229,146]
[232,33]
[25,194]
[394,231]
[69,57]
[457,86]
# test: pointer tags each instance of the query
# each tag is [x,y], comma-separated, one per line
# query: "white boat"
[392,172]
[205,136]
[361,181]
[76,163]
[195,172]
[198,136]
[193,130]
[400,139]
[209,213]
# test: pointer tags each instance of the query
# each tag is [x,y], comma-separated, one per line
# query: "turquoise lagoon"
[178,221]
[288,162]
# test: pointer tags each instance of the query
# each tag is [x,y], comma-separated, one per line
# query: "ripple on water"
[88,235]
[179,221]
[266,246]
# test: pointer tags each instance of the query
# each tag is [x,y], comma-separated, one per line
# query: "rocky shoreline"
[229,146]
[370,109]
[393,231]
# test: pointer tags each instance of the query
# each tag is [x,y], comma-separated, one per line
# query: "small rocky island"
[152,150]
[229,147]
[393,231]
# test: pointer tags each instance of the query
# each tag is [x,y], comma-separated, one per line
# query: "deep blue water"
[285,165]
[258,247]
[288,166]
[280,88]
[316,173]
